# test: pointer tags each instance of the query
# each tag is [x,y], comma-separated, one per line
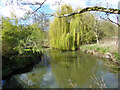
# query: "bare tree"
[107,15]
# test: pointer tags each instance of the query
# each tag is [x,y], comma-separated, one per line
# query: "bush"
[16,38]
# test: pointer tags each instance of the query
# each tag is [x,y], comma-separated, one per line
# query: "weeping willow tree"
[68,33]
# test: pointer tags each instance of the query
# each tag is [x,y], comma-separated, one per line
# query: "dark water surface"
[71,69]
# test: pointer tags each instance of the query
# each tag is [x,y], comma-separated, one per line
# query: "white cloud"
[5,11]
[19,11]
[114,3]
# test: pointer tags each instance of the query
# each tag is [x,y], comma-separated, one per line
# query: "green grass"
[116,55]
[96,47]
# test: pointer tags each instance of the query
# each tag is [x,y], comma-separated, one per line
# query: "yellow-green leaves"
[68,33]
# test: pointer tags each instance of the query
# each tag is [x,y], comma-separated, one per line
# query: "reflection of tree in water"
[32,79]
[72,66]
[99,81]
[104,78]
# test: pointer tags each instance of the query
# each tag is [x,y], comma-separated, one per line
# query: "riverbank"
[13,64]
[104,50]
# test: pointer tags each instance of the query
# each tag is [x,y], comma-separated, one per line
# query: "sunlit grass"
[96,47]
[105,46]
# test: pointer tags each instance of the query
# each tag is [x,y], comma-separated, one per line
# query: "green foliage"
[117,56]
[68,33]
[9,36]
[110,30]
[16,38]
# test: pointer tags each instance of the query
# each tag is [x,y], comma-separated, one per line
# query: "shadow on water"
[72,69]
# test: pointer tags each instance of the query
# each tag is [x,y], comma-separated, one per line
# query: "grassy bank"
[105,49]
[12,64]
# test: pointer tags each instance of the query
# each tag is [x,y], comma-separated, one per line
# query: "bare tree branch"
[39,6]
[58,3]
[108,19]
[113,21]
[36,3]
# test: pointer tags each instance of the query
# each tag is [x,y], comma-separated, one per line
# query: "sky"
[50,6]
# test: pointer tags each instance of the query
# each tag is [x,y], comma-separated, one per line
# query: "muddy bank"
[19,63]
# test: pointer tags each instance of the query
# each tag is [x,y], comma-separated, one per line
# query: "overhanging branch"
[96,8]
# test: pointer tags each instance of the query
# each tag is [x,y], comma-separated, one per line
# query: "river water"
[70,69]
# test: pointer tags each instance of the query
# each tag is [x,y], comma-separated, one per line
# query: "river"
[70,69]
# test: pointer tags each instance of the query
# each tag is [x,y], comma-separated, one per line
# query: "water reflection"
[73,66]
[48,80]
[25,79]
[68,69]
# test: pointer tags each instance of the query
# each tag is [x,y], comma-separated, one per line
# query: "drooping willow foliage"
[68,33]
